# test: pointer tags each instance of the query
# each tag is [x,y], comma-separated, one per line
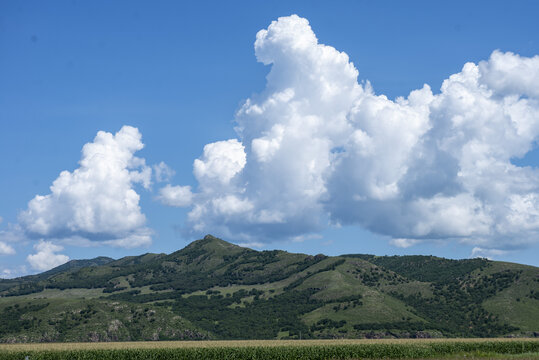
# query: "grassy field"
[276,349]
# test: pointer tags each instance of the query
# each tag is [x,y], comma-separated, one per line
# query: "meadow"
[280,349]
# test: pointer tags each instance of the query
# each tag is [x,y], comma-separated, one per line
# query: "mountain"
[76,264]
[213,289]
[30,283]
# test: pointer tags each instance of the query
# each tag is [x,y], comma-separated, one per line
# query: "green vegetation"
[427,268]
[69,320]
[258,319]
[456,307]
[14,321]
[212,289]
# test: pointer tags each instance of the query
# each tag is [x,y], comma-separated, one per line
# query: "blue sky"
[180,71]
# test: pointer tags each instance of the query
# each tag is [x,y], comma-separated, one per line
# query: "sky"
[383,127]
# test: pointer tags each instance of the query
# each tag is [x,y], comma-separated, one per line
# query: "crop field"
[282,350]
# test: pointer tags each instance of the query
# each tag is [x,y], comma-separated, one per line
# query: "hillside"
[212,289]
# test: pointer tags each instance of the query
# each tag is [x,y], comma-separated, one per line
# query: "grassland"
[272,349]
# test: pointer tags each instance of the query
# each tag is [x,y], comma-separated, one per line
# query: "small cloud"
[403,243]
[177,196]
[142,238]
[6,274]
[46,257]
[302,238]
[257,245]
[487,253]
[13,273]
[78,241]
[162,172]
[13,233]
[5,249]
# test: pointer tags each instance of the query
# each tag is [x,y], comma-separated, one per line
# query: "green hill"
[212,289]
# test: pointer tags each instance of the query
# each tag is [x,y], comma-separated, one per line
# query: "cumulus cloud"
[220,162]
[178,196]
[318,147]
[46,257]
[97,201]
[510,74]
[5,249]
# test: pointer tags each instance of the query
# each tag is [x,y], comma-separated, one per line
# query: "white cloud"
[403,243]
[142,237]
[251,245]
[220,162]
[96,201]
[5,249]
[162,172]
[13,233]
[13,272]
[46,257]
[178,196]
[316,145]
[6,274]
[275,187]
[302,238]
[487,253]
[511,74]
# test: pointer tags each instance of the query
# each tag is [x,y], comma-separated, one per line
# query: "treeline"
[426,268]
[259,318]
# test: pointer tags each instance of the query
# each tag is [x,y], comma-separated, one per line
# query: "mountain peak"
[211,238]
[209,245]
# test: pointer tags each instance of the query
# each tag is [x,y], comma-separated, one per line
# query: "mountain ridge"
[215,289]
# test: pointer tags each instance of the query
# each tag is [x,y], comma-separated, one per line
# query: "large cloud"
[317,147]
[97,201]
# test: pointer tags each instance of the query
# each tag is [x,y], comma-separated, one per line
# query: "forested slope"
[214,289]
